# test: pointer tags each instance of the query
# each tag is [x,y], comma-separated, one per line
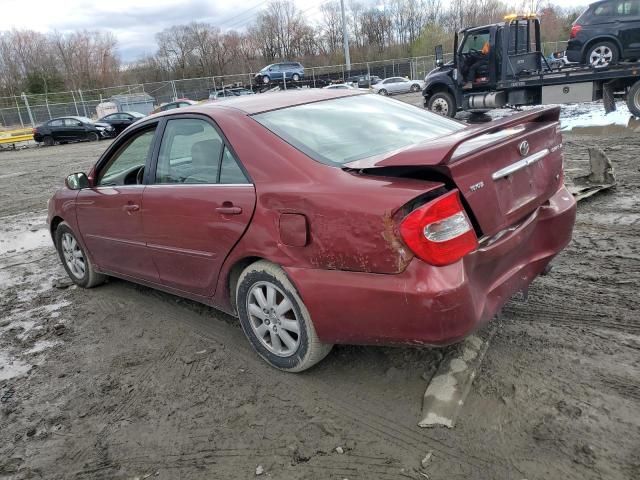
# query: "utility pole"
[345,38]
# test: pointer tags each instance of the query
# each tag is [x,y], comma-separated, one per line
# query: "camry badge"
[524,148]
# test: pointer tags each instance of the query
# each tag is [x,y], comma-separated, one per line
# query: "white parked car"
[394,85]
[340,86]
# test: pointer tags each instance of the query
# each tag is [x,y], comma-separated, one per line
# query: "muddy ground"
[125,382]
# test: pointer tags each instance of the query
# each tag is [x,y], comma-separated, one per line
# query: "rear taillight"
[574,31]
[439,232]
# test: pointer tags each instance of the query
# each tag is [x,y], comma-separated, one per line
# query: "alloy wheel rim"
[273,319]
[440,105]
[73,256]
[600,56]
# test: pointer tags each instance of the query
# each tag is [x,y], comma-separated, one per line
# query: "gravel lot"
[125,382]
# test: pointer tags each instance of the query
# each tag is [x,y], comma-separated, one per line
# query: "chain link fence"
[32,109]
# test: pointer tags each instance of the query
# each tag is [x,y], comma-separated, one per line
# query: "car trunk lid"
[504,170]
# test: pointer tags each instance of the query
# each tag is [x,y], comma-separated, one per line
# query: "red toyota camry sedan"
[323,216]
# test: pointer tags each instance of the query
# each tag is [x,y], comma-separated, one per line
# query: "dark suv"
[606,32]
[278,72]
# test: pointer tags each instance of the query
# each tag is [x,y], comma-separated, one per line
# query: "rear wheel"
[633,99]
[275,320]
[48,141]
[74,259]
[602,54]
[442,103]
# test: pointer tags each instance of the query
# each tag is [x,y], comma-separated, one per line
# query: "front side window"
[71,122]
[347,129]
[475,42]
[124,165]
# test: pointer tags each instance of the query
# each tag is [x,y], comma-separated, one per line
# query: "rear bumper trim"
[520,164]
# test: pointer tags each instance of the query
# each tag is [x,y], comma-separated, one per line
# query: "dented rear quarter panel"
[350,216]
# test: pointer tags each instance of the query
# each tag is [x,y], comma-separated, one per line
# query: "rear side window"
[55,123]
[230,171]
[192,151]
[189,153]
[604,10]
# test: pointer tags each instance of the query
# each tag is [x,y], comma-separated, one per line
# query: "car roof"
[264,102]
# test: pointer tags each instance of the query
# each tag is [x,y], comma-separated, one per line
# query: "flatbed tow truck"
[502,65]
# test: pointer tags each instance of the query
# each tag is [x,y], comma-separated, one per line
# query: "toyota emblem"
[524,148]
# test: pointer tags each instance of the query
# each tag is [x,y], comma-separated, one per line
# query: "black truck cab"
[485,57]
[502,65]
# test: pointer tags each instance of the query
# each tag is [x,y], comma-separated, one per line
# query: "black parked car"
[71,129]
[606,32]
[121,120]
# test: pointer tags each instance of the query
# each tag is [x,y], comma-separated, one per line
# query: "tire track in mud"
[360,414]
[403,436]
[140,390]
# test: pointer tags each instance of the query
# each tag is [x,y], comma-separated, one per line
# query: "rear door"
[57,129]
[74,129]
[628,12]
[110,213]
[197,206]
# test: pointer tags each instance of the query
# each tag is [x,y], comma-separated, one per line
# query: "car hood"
[102,124]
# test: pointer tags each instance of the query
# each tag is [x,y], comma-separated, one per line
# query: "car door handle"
[229,209]
[131,208]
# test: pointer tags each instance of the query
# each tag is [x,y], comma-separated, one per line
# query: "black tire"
[295,77]
[633,99]
[48,141]
[308,350]
[93,136]
[90,278]
[608,51]
[266,79]
[415,87]
[442,103]
[383,92]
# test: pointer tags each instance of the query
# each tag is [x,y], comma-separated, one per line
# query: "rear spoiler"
[440,151]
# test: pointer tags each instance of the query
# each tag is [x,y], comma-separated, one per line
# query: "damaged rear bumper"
[436,305]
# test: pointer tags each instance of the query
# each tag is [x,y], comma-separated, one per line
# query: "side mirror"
[439,56]
[77,181]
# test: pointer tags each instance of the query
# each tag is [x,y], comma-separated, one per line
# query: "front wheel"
[442,103]
[93,137]
[275,320]
[415,87]
[295,77]
[266,79]
[74,259]
[633,99]
[383,92]
[602,54]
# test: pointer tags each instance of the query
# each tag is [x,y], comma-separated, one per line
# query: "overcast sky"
[135,22]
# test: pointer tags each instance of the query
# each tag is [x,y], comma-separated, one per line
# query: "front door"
[74,129]
[197,205]
[110,213]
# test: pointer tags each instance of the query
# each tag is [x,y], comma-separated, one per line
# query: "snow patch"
[11,367]
[592,114]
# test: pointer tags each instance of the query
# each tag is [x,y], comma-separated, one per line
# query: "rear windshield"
[347,129]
